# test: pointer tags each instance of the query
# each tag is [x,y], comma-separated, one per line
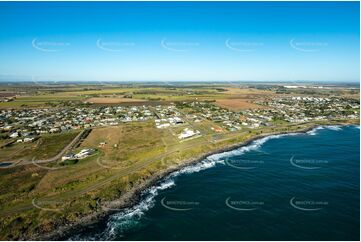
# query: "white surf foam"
[314,131]
[329,127]
[334,127]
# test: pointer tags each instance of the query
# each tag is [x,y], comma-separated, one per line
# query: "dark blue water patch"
[294,187]
[5,164]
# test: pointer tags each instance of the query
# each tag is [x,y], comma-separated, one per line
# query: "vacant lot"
[126,143]
[237,104]
[239,90]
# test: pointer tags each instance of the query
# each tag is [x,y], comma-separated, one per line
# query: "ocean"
[284,187]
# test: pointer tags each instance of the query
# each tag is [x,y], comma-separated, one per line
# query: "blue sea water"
[286,187]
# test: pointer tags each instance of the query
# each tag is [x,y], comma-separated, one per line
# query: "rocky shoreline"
[133,196]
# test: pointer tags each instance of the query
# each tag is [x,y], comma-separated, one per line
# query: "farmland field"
[112,100]
[237,104]
[103,94]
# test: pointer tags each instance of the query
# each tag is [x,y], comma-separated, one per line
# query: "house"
[7,128]
[28,139]
[187,133]
[217,129]
[102,144]
[68,157]
[84,153]
[14,135]
[53,130]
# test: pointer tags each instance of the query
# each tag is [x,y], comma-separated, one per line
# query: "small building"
[187,133]
[217,129]
[84,153]
[14,135]
[68,157]
[28,139]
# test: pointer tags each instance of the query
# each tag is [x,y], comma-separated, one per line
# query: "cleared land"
[237,104]
[112,100]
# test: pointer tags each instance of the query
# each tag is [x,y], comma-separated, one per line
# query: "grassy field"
[112,100]
[237,104]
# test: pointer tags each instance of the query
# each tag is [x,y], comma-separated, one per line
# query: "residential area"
[25,125]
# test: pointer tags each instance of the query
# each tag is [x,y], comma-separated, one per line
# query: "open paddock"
[237,104]
[113,100]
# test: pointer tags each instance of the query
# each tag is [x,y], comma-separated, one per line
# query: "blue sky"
[179,41]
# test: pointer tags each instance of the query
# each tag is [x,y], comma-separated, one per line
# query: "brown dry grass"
[237,104]
[132,141]
[246,91]
[113,100]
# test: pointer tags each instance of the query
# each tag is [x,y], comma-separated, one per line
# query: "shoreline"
[133,196]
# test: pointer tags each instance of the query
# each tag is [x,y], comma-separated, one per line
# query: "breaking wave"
[334,127]
[330,127]
[314,131]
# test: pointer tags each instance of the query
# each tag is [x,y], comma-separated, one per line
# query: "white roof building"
[187,133]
